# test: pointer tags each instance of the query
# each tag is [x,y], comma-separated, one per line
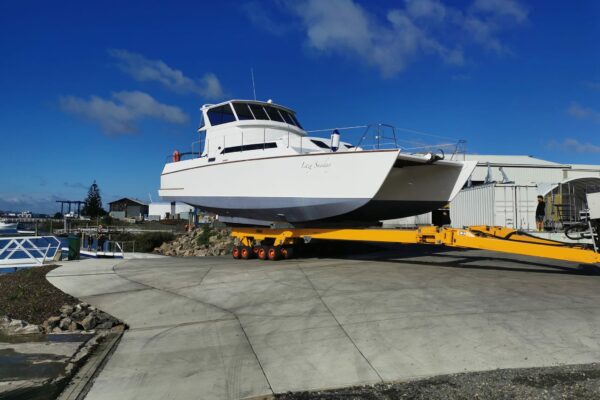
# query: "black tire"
[287,252]
[263,252]
[237,252]
[246,253]
[274,253]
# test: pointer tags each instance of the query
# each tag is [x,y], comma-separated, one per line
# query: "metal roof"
[131,200]
[581,185]
[586,167]
[512,160]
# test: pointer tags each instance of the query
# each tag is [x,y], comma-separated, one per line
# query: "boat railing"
[378,136]
[28,250]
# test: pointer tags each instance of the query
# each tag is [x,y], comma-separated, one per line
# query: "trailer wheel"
[246,252]
[236,252]
[274,253]
[287,252]
[263,252]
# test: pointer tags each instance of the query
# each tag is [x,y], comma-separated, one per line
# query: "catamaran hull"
[363,186]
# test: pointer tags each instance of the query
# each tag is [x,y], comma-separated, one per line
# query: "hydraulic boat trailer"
[273,244]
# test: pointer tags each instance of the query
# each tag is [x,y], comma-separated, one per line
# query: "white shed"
[163,209]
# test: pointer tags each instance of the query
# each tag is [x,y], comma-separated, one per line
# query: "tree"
[58,216]
[92,205]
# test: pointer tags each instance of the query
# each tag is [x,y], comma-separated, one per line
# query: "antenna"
[253,86]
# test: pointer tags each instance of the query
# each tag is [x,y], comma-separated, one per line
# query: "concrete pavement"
[217,328]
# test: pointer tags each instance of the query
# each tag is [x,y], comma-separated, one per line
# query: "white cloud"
[581,112]
[120,114]
[432,9]
[502,8]
[574,146]
[591,85]
[259,13]
[145,69]
[421,27]
[486,19]
[343,26]
[35,202]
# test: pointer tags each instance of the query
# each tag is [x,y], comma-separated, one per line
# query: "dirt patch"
[564,382]
[28,296]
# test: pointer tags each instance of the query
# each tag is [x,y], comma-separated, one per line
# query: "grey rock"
[65,323]
[89,322]
[66,310]
[78,315]
[105,325]
[53,322]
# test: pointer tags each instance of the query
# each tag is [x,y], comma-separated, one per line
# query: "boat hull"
[356,187]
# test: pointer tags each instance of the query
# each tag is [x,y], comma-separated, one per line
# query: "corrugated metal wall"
[507,205]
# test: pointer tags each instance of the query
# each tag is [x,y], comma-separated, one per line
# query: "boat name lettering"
[316,164]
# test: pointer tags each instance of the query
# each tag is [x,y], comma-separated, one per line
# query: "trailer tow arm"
[491,238]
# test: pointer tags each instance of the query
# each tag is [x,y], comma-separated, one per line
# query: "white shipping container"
[512,206]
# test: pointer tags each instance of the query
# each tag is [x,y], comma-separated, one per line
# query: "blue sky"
[105,91]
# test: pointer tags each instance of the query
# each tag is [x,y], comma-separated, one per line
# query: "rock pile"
[201,242]
[81,317]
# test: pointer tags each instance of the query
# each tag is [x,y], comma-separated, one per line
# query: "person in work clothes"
[540,213]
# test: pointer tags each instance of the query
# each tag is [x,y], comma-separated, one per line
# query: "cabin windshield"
[253,111]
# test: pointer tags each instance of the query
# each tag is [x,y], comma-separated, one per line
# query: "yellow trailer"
[267,243]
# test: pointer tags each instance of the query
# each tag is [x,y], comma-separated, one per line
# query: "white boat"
[7,226]
[258,165]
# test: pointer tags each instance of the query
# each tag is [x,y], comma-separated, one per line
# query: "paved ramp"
[224,329]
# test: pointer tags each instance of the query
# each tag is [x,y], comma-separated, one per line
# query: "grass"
[27,295]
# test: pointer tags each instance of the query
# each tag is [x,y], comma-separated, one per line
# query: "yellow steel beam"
[499,239]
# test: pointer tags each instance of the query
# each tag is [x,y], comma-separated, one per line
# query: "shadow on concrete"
[452,257]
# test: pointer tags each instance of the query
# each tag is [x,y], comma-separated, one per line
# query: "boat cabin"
[242,129]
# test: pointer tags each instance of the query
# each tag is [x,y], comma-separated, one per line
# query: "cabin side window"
[221,115]
[320,144]
[247,147]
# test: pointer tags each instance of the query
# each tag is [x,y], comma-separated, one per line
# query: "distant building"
[503,190]
[164,210]
[128,208]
